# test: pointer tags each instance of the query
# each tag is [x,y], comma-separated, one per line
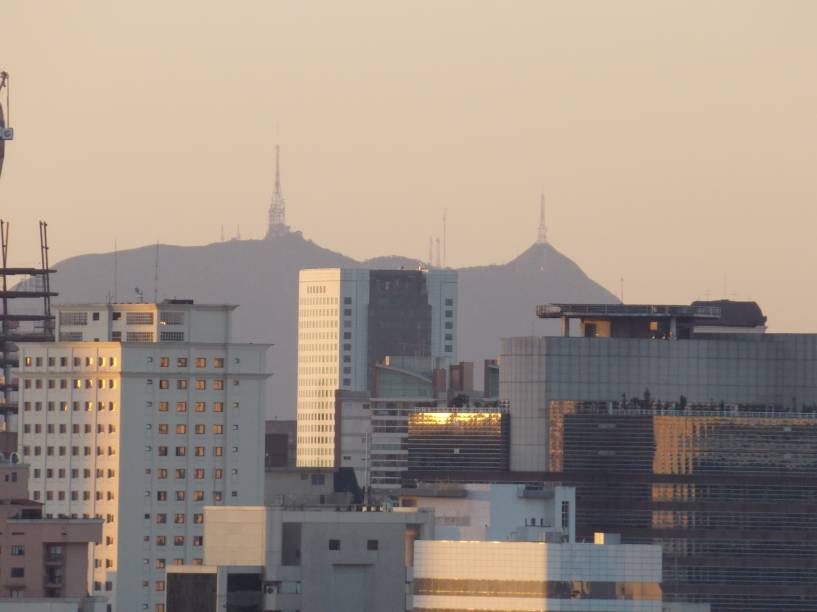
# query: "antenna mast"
[542,236]
[156,276]
[445,214]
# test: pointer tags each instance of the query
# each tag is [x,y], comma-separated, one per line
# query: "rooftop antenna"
[542,236]
[438,253]
[115,272]
[430,251]
[156,275]
[445,213]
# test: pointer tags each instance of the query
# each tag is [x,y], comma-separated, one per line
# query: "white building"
[351,319]
[500,512]
[535,576]
[143,434]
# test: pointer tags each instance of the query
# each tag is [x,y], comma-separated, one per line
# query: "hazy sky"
[676,142]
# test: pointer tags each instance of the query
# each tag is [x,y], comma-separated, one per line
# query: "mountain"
[262,277]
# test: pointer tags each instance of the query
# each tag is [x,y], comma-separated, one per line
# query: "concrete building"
[685,426]
[536,576]
[143,434]
[42,561]
[497,512]
[311,487]
[349,320]
[266,558]
[279,443]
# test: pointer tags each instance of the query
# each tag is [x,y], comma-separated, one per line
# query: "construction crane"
[6,133]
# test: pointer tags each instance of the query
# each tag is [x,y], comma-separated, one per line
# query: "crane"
[6,133]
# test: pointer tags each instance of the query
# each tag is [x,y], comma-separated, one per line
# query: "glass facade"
[728,490]
[473,440]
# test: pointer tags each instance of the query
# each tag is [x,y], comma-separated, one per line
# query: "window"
[449,325]
[18,550]
[201,384]
[198,540]
[160,563]
[199,474]
[18,572]
[178,540]
[217,496]
[139,336]
[198,518]
[161,495]
[201,362]
[162,428]
[181,362]
[200,428]
[73,318]
[181,428]
[161,540]
[161,518]
[171,317]
[181,473]
[161,473]
[218,429]
[199,451]
[164,383]
[162,406]
[200,407]
[164,362]
[198,495]
[139,318]
[181,383]
[218,362]
[178,519]
[372,545]
[218,406]
[181,451]
[180,495]
[334,544]
[218,451]
[116,315]
[160,585]
[218,473]
[218,385]
[181,406]
[449,348]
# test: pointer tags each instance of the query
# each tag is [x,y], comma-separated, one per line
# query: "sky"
[675,142]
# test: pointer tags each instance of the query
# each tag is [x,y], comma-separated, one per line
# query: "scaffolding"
[25,295]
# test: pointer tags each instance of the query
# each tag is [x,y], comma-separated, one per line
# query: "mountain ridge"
[261,276]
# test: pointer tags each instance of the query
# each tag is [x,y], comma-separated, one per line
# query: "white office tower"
[143,434]
[348,321]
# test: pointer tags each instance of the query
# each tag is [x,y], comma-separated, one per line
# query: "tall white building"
[348,321]
[143,433]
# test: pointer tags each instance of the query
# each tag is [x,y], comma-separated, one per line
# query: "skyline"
[694,173]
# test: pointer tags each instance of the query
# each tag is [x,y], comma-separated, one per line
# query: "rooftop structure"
[656,320]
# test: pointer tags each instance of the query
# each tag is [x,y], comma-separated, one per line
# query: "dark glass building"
[729,491]
[470,439]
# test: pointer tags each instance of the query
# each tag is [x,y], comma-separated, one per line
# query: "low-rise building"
[42,561]
[458,576]
[268,558]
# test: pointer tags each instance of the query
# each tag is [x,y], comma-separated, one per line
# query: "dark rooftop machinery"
[660,321]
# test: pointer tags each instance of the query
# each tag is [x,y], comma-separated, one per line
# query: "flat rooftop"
[651,311]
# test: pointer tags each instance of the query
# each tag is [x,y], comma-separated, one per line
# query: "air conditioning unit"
[7,134]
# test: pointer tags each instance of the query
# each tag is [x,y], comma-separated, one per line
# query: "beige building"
[43,561]
[142,434]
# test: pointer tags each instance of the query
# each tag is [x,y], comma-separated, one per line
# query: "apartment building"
[43,561]
[142,433]
[348,321]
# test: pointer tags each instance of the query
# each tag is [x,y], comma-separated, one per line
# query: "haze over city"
[674,142]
